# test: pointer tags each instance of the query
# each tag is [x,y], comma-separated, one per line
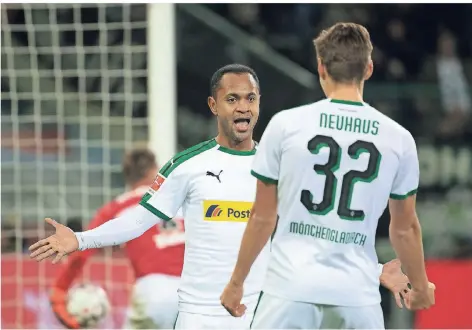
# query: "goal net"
[73,100]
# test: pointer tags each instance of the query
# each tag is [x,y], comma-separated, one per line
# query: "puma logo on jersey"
[217,176]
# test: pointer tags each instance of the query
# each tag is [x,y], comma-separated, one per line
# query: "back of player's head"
[344,50]
[137,164]
[230,68]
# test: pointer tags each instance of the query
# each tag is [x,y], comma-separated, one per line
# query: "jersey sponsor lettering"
[226,211]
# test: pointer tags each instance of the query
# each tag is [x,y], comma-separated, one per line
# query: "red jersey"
[160,250]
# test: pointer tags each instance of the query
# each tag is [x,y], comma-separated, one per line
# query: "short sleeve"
[408,173]
[167,194]
[266,165]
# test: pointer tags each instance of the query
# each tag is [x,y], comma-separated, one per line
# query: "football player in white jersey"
[212,183]
[326,172]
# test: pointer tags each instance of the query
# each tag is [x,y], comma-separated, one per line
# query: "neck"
[347,92]
[245,145]
[140,183]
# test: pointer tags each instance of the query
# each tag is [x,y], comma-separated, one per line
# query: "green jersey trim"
[152,209]
[347,102]
[263,178]
[237,152]
[400,197]
[185,155]
[176,318]
[255,309]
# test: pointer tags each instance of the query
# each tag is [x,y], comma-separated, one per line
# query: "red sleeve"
[76,261]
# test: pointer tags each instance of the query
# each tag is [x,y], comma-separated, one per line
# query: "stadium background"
[74,96]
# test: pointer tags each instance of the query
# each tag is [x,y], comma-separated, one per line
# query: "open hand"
[393,279]
[58,245]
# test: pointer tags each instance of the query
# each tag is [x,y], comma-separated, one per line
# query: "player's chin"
[242,134]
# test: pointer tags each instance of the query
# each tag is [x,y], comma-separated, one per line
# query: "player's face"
[237,106]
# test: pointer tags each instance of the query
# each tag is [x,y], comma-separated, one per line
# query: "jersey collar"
[239,152]
[360,104]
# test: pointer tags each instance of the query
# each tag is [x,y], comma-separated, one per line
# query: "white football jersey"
[214,186]
[335,163]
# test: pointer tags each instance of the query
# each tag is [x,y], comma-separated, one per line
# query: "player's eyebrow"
[238,96]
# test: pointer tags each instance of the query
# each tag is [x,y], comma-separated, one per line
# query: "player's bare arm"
[405,235]
[260,226]
[114,232]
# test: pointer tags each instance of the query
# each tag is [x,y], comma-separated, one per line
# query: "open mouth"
[242,124]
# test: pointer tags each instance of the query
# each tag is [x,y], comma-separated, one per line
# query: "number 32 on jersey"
[349,179]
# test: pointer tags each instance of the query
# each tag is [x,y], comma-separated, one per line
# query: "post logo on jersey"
[158,181]
[213,211]
[226,211]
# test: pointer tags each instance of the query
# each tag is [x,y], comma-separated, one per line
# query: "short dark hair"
[344,49]
[137,163]
[230,68]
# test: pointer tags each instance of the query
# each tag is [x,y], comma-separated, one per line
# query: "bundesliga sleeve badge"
[158,181]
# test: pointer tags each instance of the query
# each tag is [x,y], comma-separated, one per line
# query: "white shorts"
[277,313]
[187,320]
[154,303]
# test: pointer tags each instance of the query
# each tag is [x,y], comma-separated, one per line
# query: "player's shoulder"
[282,120]
[123,201]
[183,159]
[298,111]
[129,197]
[396,131]
[291,118]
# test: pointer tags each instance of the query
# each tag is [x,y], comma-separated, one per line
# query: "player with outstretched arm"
[325,173]
[156,256]
[212,183]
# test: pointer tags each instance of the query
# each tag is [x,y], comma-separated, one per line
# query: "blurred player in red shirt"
[156,256]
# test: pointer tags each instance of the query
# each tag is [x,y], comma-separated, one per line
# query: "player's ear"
[370,70]
[321,69]
[212,105]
